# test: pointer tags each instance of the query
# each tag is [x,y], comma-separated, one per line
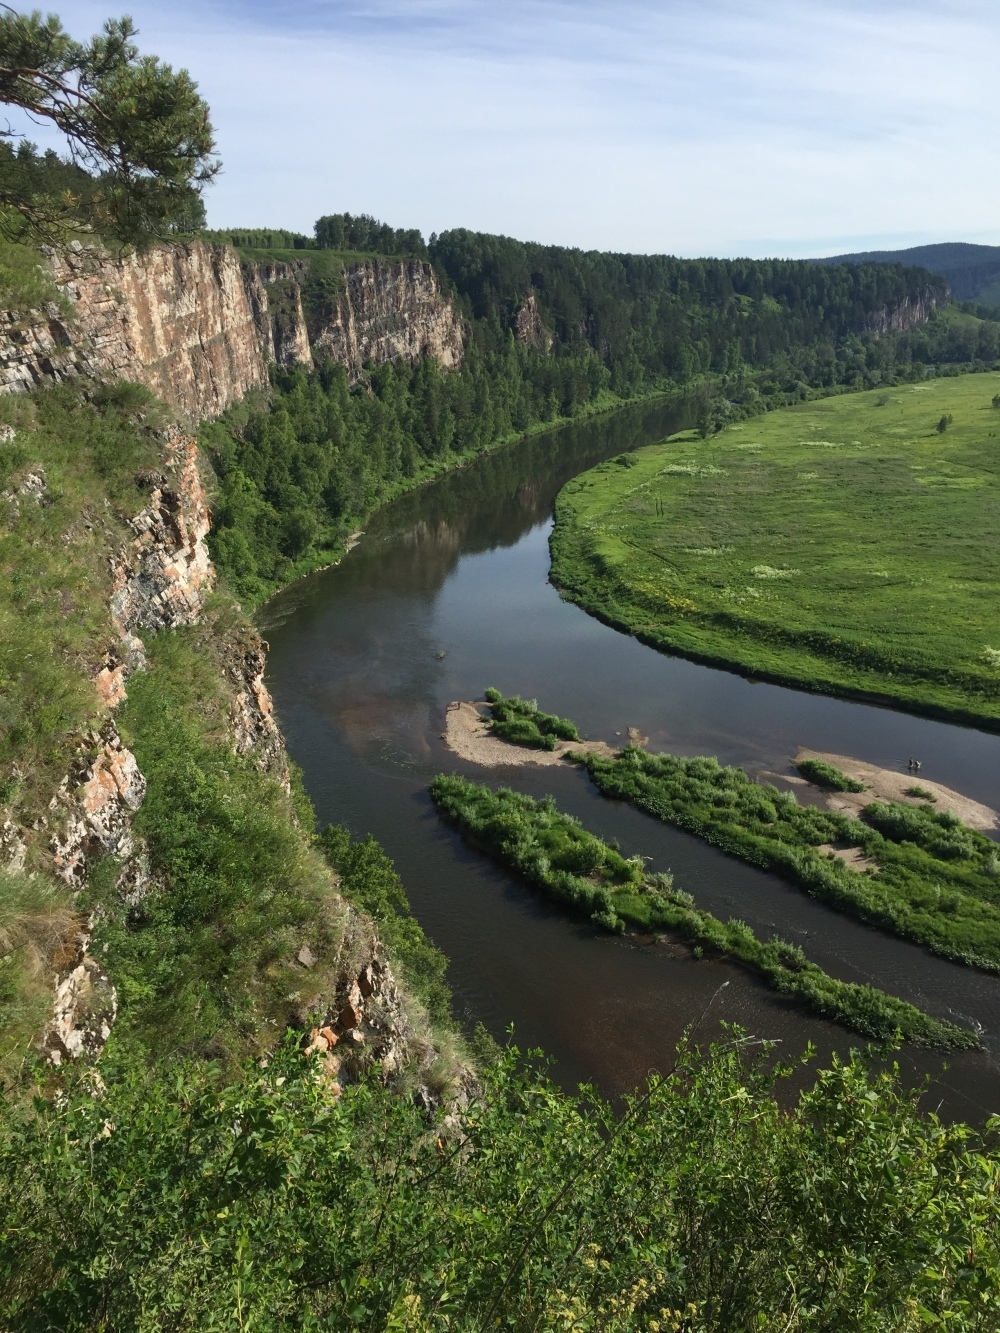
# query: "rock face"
[158,578]
[279,312]
[98,800]
[388,312]
[177,318]
[252,724]
[83,1012]
[528,326]
[199,328]
[907,313]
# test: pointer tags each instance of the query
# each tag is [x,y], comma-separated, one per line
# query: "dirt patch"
[884,784]
[467,734]
[852,857]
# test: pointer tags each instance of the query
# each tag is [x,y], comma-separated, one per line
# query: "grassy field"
[847,545]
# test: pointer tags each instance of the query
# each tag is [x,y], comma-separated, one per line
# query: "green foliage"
[258,238]
[54,593]
[815,546]
[295,481]
[656,317]
[921,793]
[944,423]
[825,775]
[555,854]
[137,126]
[520,721]
[36,924]
[934,881]
[205,962]
[368,879]
[25,282]
[343,231]
[170,1198]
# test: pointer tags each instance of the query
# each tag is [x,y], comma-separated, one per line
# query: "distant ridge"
[971,271]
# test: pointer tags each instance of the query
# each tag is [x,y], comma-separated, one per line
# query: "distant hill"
[971,271]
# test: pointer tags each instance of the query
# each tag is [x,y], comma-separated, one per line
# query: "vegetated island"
[558,856]
[909,865]
[513,731]
[850,546]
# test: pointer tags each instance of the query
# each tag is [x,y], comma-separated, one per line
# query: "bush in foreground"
[173,1199]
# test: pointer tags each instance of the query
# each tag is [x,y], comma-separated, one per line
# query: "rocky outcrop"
[252,723]
[13,849]
[83,1011]
[907,313]
[368,1026]
[160,577]
[97,801]
[279,311]
[387,311]
[199,328]
[528,326]
[176,318]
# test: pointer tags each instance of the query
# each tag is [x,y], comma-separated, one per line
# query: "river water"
[447,593]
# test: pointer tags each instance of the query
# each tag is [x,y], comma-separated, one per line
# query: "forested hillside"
[554,333]
[971,271]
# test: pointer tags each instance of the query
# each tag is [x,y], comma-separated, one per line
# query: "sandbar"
[467,733]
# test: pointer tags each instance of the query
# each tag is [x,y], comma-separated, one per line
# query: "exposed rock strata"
[83,1012]
[279,314]
[199,328]
[528,326]
[907,313]
[367,1026]
[388,311]
[252,723]
[160,576]
[97,801]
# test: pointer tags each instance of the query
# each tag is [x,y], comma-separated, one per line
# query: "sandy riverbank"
[885,784]
[468,735]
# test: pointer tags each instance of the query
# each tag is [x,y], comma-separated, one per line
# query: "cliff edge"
[199,327]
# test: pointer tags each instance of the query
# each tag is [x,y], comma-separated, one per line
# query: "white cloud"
[692,126]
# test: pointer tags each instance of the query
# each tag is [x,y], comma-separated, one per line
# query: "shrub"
[520,722]
[825,775]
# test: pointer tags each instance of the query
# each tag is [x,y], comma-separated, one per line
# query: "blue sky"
[791,127]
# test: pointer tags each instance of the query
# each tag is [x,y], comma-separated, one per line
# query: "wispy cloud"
[694,126]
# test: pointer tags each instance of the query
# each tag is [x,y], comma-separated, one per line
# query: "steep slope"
[199,327]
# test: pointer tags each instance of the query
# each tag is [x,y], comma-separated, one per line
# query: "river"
[447,593]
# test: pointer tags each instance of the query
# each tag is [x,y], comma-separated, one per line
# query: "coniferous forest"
[738,336]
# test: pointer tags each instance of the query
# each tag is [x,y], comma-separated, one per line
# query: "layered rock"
[252,723]
[907,313]
[528,326]
[388,311]
[97,801]
[280,315]
[176,318]
[160,577]
[84,1009]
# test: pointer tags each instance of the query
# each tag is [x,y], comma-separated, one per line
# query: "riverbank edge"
[570,590]
[331,556]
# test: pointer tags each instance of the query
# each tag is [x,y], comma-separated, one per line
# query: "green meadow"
[849,545]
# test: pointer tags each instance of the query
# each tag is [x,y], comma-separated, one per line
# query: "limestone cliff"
[177,318]
[199,328]
[387,311]
[908,313]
